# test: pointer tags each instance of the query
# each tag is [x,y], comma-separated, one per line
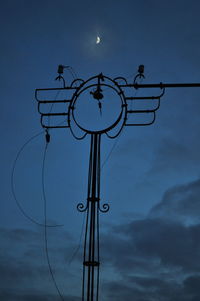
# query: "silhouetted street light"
[108,105]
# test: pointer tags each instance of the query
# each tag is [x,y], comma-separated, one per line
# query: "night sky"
[150,238]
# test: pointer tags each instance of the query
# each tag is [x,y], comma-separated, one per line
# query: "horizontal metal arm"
[54,101]
[162,85]
[143,98]
[141,111]
[143,124]
[51,89]
[58,126]
[54,114]
[55,127]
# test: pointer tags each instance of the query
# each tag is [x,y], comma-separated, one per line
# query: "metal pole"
[91,262]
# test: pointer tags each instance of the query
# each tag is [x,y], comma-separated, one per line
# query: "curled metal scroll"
[118,133]
[120,78]
[76,137]
[139,75]
[105,208]
[77,79]
[81,207]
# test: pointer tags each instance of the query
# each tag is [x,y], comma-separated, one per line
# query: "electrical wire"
[111,151]
[51,108]
[117,140]
[136,91]
[72,72]
[45,227]
[45,212]
[79,243]
[74,76]
[13,186]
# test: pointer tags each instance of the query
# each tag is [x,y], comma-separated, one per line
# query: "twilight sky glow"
[150,238]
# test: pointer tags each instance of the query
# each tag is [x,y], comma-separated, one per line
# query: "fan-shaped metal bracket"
[151,111]
[48,107]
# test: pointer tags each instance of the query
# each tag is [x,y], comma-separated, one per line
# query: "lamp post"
[104,101]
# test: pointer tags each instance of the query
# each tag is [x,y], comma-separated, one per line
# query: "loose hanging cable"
[13,186]
[111,151]
[79,243]
[45,219]
[115,143]
[61,71]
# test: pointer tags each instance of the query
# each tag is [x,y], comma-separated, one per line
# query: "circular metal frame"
[83,87]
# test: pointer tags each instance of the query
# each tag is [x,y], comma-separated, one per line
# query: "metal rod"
[140,111]
[54,101]
[55,114]
[51,89]
[143,98]
[91,244]
[162,85]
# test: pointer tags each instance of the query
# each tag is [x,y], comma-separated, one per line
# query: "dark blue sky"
[150,239]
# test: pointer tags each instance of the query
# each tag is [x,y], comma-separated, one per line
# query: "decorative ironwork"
[97,85]
[105,208]
[81,207]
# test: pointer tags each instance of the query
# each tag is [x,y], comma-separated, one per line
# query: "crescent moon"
[98,40]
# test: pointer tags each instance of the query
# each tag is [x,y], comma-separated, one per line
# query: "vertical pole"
[90,285]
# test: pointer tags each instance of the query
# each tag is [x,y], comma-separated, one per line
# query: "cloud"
[151,289]
[145,259]
[175,155]
[34,296]
[180,203]
[152,246]
[191,286]
[153,259]
[144,289]
[23,265]
[157,257]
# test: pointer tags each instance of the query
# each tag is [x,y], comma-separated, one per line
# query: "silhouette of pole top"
[109,104]
[98,86]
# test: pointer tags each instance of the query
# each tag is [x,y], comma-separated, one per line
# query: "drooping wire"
[13,186]
[111,151]
[79,242]
[45,225]
[51,108]
[72,72]
[117,140]
[136,91]
[74,76]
